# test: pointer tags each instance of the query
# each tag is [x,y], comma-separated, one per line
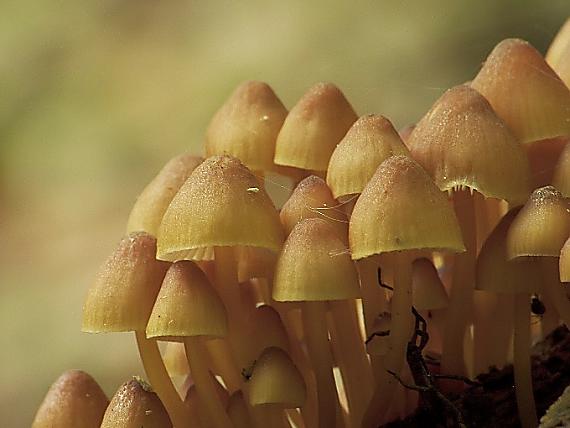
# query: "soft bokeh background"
[96,96]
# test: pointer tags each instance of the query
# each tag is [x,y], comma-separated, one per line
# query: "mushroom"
[558,55]
[564,262]
[237,410]
[197,408]
[561,179]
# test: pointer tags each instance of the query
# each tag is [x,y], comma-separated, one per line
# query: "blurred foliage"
[96,96]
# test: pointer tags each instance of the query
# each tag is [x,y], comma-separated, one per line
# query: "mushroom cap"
[221,204]
[246,126]
[565,262]
[366,145]
[496,273]
[187,305]
[462,142]
[276,380]
[268,329]
[312,198]
[124,291]
[428,292]
[151,204]
[542,225]
[401,208]
[314,265]
[558,55]
[313,128]
[134,405]
[524,91]
[75,400]
[561,179]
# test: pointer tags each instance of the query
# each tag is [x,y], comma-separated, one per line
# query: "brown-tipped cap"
[462,142]
[221,204]
[312,198]
[314,127]
[134,406]
[561,178]
[496,273]
[558,55]
[314,265]
[565,262]
[151,204]
[428,290]
[401,208]
[276,380]
[255,263]
[541,226]
[237,411]
[175,359]
[246,126]
[122,296]
[187,305]
[525,92]
[75,400]
[370,141]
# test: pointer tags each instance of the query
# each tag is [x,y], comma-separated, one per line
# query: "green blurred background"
[96,96]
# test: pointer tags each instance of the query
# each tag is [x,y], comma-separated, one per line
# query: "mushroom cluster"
[308,315]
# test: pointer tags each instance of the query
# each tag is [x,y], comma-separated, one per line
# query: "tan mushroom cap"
[314,127]
[462,142]
[561,179]
[268,329]
[314,265]
[525,92]
[246,126]
[276,380]
[541,227]
[134,405]
[401,208]
[496,273]
[75,400]
[123,294]
[152,203]
[366,145]
[565,262]
[428,292]
[312,198]
[221,204]
[558,55]
[187,305]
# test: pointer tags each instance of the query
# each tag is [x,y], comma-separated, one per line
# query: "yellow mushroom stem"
[269,415]
[551,318]
[373,296]
[238,412]
[160,381]
[223,363]
[554,288]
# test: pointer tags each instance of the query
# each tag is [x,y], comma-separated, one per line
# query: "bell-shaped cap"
[461,142]
[124,291]
[268,329]
[370,141]
[175,359]
[428,292]
[255,263]
[135,405]
[314,127]
[187,305]
[151,204]
[525,92]
[542,225]
[561,179]
[401,208]
[565,262]
[221,204]
[75,400]
[276,380]
[496,273]
[246,126]
[314,265]
[558,55]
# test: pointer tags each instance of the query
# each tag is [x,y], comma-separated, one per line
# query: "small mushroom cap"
[401,208]
[187,305]
[221,204]
[124,291]
[312,198]
[75,400]
[462,142]
[496,273]
[151,204]
[561,178]
[276,380]
[428,292]
[313,128]
[370,141]
[246,126]
[524,91]
[541,227]
[134,405]
[314,265]
[558,55]
[565,262]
